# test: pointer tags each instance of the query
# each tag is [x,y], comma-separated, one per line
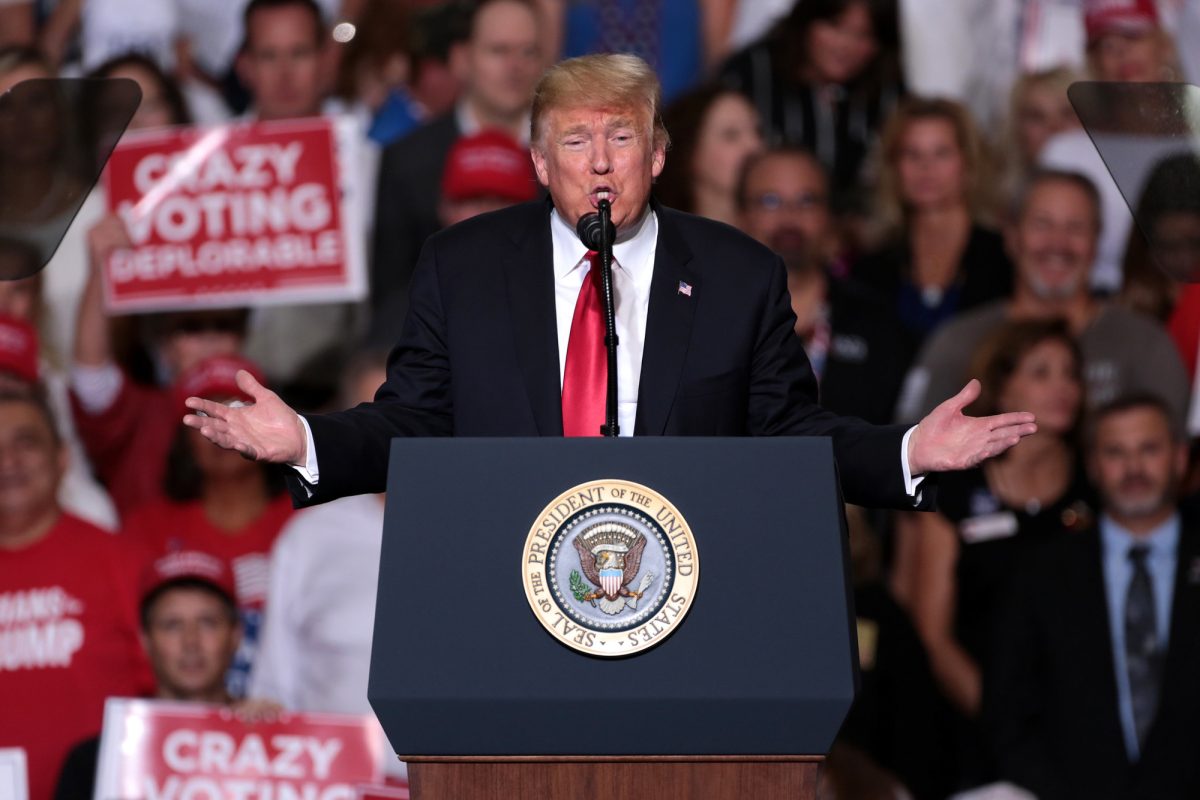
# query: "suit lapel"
[529,272]
[668,326]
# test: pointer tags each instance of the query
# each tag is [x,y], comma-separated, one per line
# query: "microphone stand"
[610,426]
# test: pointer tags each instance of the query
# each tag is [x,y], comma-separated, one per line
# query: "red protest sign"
[185,751]
[241,214]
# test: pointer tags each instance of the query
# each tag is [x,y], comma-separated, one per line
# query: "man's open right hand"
[269,430]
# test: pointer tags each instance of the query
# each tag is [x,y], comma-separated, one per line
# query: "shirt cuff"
[309,471]
[96,388]
[912,483]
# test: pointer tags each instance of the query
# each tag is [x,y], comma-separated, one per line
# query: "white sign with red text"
[248,213]
[156,750]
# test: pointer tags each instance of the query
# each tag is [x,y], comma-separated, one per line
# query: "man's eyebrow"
[576,130]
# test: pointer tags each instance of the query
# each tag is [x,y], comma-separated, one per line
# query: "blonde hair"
[976,165]
[607,80]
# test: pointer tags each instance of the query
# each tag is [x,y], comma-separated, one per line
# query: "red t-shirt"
[163,526]
[129,441]
[68,640]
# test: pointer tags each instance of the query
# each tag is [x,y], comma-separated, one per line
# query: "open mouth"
[601,193]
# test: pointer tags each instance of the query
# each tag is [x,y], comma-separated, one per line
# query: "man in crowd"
[849,335]
[1053,243]
[282,66]
[189,631]
[68,633]
[509,302]
[1093,692]
[501,62]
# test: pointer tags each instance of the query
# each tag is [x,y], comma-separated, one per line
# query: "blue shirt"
[1115,542]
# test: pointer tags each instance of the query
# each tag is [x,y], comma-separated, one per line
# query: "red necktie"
[585,377]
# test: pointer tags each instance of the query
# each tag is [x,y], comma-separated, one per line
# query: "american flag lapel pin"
[685,289]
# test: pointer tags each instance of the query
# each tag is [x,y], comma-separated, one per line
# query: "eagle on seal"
[611,571]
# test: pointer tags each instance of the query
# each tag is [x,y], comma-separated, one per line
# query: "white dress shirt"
[633,268]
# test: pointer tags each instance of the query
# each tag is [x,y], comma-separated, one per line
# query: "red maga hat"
[215,378]
[18,349]
[187,565]
[1102,17]
[488,164]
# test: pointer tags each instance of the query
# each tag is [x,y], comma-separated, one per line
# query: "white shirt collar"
[632,252]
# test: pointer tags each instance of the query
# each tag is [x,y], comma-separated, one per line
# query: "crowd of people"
[941,215]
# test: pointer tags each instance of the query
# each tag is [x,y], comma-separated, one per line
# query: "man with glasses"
[848,332]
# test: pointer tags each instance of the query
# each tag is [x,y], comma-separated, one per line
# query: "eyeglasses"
[772,201]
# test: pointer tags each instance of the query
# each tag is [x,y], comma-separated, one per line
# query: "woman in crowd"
[825,78]
[953,567]
[216,502]
[713,130]
[1039,109]
[936,258]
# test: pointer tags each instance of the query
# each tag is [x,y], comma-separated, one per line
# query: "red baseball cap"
[488,164]
[187,565]
[18,349]
[215,378]
[1102,17]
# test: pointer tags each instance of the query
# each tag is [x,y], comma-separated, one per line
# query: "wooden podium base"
[614,777]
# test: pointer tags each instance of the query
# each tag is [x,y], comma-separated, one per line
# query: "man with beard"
[1093,691]
[1052,242]
[849,334]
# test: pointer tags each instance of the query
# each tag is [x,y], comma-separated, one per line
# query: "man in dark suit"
[500,63]
[1093,692]
[504,337]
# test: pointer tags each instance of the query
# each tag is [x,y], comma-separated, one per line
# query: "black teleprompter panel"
[763,663]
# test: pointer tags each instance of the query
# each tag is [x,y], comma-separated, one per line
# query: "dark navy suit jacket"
[479,355]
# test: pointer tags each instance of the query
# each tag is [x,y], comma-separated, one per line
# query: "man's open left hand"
[948,440]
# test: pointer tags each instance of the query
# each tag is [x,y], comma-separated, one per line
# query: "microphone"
[591,231]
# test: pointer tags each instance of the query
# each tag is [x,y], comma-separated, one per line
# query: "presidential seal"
[610,568]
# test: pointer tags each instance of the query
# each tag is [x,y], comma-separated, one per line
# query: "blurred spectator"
[954,567]
[1038,110]
[282,64]
[1052,241]
[974,51]
[1093,691]
[713,130]
[937,260]
[502,61]
[1125,43]
[189,630]
[825,78]
[375,65]
[1161,273]
[65,277]
[315,649]
[485,172]
[849,334]
[216,502]
[68,631]
[127,427]
[24,369]
[680,39]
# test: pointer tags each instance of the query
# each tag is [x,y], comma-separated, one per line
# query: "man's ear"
[539,164]
[658,160]
[245,73]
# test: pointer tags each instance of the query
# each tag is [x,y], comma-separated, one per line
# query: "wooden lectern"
[741,699]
